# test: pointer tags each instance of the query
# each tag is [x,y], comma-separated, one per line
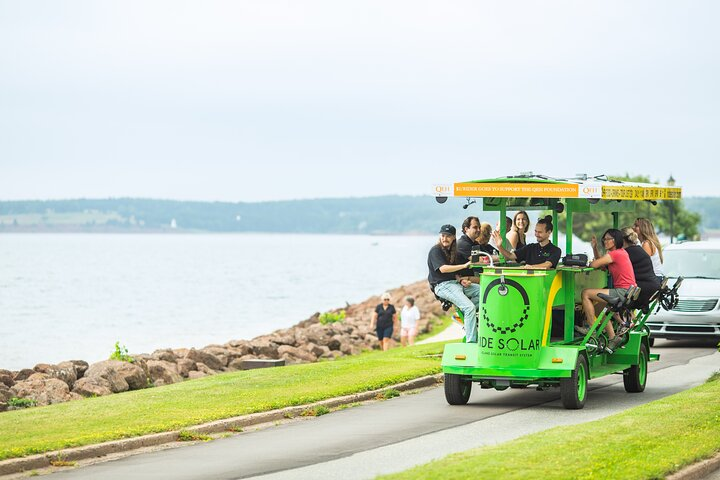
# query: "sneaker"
[582,330]
[614,343]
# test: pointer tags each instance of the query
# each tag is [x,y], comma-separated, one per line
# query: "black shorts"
[384,332]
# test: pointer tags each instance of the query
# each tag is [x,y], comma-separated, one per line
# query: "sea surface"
[72,296]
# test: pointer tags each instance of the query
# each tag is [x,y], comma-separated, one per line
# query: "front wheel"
[635,377]
[457,389]
[573,390]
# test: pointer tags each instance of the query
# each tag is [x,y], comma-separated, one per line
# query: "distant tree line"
[373,215]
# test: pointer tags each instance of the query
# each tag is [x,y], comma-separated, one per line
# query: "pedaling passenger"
[443,268]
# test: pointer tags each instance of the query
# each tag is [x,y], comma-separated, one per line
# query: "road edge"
[43,460]
[698,470]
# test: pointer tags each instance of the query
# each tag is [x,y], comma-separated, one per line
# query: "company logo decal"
[502,285]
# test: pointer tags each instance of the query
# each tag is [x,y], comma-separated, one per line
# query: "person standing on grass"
[384,321]
[409,317]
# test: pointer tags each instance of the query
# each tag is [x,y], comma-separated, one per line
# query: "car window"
[692,263]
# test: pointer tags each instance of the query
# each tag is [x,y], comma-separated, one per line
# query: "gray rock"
[243,347]
[265,348]
[163,373]
[317,350]
[219,352]
[108,369]
[81,367]
[185,366]
[6,379]
[133,374]
[23,374]
[43,389]
[64,371]
[5,393]
[92,387]
[195,374]
[165,354]
[205,369]
[199,356]
[295,355]
[334,343]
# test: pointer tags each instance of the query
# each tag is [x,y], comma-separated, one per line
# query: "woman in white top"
[409,322]
[650,243]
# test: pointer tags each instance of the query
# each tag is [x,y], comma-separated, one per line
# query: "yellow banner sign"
[537,190]
[640,193]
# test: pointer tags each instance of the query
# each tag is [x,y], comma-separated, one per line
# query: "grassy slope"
[645,442]
[94,420]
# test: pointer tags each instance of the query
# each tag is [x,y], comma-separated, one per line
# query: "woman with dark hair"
[642,266]
[463,293]
[618,263]
[520,226]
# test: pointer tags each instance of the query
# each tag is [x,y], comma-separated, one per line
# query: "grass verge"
[645,442]
[173,407]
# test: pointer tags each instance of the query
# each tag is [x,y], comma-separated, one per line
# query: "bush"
[121,353]
[332,317]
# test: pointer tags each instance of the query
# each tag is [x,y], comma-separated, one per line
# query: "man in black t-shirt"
[471,231]
[535,255]
[443,268]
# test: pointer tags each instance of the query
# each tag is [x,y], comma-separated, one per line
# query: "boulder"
[205,369]
[335,342]
[265,348]
[185,366]
[317,350]
[333,354]
[348,348]
[108,369]
[23,374]
[81,367]
[219,352]
[295,355]
[283,337]
[196,374]
[199,356]
[43,389]
[5,393]
[165,354]
[163,373]
[92,387]
[64,371]
[6,378]
[241,346]
[133,374]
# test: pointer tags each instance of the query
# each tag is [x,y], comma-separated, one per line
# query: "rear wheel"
[573,390]
[635,377]
[457,389]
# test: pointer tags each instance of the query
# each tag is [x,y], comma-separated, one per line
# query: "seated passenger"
[442,260]
[618,262]
[520,226]
[642,266]
[471,231]
[542,254]
[483,241]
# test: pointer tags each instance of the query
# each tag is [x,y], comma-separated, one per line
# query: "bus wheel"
[635,377]
[573,390]
[457,389]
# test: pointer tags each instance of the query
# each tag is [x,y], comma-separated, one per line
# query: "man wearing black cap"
[464,294]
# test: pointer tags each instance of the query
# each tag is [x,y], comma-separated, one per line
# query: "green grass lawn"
[645,442]
[95,420]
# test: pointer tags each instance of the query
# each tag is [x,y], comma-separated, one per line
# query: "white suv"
[697,314]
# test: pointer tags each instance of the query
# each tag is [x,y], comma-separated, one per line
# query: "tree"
[662,215]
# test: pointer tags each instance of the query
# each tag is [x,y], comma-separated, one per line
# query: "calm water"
[71,296]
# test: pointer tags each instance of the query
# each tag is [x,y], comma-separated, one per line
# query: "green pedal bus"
[526,317]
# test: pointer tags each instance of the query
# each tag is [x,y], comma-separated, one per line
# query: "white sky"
[263,100]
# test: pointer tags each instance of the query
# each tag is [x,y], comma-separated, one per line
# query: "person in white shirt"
[409,322]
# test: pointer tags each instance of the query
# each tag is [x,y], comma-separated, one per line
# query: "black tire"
[573,390]
[651,341]
[635,377]
[457,389]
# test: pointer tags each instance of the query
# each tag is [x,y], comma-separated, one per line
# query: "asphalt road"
[388,436]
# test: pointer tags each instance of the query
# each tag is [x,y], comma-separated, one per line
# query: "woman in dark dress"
[642,266]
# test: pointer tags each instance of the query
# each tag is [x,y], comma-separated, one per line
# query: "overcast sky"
[263,100]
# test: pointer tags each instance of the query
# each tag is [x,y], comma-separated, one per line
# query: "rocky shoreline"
[307,341]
